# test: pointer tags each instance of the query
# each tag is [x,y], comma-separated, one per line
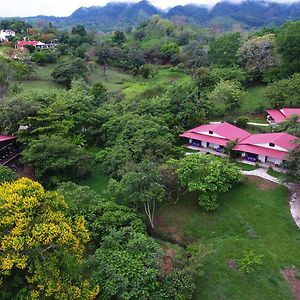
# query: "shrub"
[7,175]
[242,122]
[250,261]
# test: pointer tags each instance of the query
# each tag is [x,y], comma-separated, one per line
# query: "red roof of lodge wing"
[281,139]
[261,151]
[6,138]
[224,130]
[206,138]
[290,111]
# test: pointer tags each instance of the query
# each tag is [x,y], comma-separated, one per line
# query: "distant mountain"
[248,14]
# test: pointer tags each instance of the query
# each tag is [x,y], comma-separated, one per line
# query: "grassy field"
[253,98]
[275,173]
[253,216]
[41,78]
[118,81]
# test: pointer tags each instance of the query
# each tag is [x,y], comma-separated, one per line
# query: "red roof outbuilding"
[280,115]
[4,138]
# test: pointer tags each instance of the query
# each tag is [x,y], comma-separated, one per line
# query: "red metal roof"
[252,143]
[261,151]
[6,138]
[226,130]
[276,115]
[290,111]
[282,139]
[282,114]
[205,138]
[26,43]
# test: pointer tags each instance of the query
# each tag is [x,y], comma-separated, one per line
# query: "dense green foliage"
[6,174]
[284,93]
[208,175]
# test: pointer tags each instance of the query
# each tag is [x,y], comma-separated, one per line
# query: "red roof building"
[5,138]
[23,44]
[280,115]
[216,134]
[8,149]
[270,147]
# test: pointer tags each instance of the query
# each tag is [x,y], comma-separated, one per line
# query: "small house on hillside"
[279,115]
[4,34]
[21,45]
[270,148]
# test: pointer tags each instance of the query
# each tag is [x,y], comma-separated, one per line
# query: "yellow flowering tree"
[40,248]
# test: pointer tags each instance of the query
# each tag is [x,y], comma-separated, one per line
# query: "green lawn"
[253,98]
[276,174]
[253,216]
[98,181]
[245,167]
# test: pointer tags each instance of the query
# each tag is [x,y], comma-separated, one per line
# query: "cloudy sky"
[23,8]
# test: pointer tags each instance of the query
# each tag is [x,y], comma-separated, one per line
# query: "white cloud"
[25,8]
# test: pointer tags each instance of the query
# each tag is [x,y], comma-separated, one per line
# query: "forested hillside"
[224,16]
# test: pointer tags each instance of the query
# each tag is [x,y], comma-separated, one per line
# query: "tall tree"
[140,188]
[288,40]
[223,50]
[284,93]
[208,175]
[229,94]
[258,54]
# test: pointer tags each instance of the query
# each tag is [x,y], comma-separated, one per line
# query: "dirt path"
[290,275]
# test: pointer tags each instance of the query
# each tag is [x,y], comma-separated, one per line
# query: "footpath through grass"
[253,216]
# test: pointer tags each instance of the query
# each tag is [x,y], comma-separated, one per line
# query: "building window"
[210,132]
[272,145]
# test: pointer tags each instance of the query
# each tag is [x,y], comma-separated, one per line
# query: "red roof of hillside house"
[21,44]
[280,115]
[4,138]
[219,133]
[274,145]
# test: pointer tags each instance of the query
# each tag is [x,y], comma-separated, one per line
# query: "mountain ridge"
[120,15]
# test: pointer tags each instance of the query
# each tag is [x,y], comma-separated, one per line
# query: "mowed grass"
[253,216]
[246,167]
[276,174]
[253,98]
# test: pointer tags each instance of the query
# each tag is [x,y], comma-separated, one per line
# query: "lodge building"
[269,148]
